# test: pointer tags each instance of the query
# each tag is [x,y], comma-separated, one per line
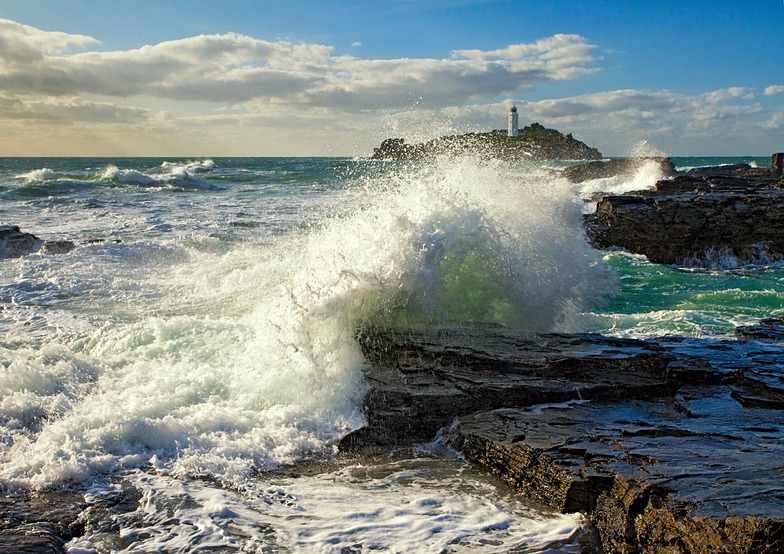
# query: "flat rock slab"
[661,450]
[644,469]
[421,381]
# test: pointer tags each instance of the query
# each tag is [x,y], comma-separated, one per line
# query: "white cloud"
[235,94]
[774,89]
[730,93]
[70,110]
[232,68]
[22,44]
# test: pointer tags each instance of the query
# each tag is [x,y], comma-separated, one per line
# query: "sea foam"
[221,364]
[43,174]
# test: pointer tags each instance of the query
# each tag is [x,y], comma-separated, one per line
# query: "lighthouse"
[512,130]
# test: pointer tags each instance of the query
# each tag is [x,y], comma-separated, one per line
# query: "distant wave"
[43,174]
[169,175]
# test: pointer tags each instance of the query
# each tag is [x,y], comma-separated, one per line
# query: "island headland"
[533,142]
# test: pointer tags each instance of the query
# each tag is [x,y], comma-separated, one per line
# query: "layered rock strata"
[727,215]
[662,451]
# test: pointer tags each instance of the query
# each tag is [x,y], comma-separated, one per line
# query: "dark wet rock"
[15,243]
[40,522]
[692,473]
[777,164]
[661,450]
[728,215]
[422,381]
[615,167]
[766,329]
[58,247]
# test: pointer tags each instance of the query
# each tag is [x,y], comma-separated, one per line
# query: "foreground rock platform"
[662,451]
[732,213]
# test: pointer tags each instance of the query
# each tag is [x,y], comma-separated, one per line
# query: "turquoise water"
[203,331]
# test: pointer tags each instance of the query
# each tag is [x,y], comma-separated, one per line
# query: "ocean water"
[201,338]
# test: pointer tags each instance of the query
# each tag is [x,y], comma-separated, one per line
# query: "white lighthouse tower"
[512,129]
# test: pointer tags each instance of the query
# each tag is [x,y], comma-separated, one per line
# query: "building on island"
[512,129]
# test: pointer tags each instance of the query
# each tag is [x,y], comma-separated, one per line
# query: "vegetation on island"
[534,142]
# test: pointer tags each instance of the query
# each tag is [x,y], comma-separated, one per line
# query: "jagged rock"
[770,328]
[654,446]
[14,243]
[58,247]
[614,167]
[40,522]
[725,215]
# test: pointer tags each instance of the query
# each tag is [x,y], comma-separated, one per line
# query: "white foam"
[645,177]
[126,176]
[170,175]
[406,506]
[221,364]
[200,166]
[43,174]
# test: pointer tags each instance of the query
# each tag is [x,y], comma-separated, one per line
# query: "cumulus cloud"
[223,88]
[559,57]
[774,89]
[730,93]
[619,117]
[22,44]
[640,105]
[69,110]
[233,68]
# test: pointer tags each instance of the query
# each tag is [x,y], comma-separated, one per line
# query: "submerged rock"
[14,243]
[654,446]
[722,216]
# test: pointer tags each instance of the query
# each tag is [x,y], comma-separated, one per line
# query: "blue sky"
[298,77]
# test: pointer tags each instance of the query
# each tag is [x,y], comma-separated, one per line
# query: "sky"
[335,77]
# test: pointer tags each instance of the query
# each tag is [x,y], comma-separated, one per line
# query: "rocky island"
[534,142]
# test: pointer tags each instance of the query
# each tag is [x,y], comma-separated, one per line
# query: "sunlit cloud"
[232,68]
[774,89]
[237,91]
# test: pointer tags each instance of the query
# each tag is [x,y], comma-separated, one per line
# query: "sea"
[192,363]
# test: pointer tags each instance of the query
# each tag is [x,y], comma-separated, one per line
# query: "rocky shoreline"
[718,216]
[661,450]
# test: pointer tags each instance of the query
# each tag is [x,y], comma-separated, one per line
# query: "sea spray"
[221,363]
